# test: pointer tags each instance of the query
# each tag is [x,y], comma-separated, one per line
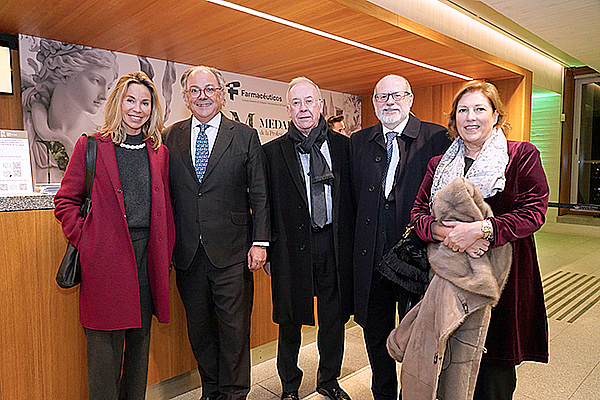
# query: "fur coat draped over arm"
[440,342]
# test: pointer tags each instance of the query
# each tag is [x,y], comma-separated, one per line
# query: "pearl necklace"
[133,146]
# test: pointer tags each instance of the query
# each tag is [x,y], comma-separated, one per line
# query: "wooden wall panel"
[433,103]
[516,96]
[264,330]
[61,342]
[170,350]
[20,367]
[368,116]
[42,340]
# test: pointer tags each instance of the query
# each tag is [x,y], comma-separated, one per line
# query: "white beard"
[392,119]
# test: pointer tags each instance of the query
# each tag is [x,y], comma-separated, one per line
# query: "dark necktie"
[391,135]
[318,206]
[201,152]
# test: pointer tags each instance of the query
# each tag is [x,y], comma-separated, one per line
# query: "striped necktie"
[391,135]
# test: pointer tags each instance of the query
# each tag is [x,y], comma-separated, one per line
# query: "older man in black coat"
[311,247]
[389,161]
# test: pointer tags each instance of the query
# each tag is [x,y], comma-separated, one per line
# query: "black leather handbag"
[406,262]
[69,272]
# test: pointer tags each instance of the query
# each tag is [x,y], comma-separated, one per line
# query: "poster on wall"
[15,171]
[64,87]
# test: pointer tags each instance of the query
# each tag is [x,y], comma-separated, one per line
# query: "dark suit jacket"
[421,141]
[218,209]
[290,249]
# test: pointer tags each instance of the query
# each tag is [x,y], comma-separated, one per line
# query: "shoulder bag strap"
[411,225]
[90,164]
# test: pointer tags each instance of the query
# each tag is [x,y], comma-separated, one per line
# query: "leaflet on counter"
[15,166]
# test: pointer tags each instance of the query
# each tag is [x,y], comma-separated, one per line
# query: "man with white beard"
[388,162]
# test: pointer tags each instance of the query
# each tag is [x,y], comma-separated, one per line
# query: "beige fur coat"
[441,340]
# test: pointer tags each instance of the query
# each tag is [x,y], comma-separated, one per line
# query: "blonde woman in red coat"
[125,241]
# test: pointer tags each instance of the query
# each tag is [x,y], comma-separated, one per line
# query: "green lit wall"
[546,136]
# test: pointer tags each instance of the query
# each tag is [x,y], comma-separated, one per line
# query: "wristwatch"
[486,228]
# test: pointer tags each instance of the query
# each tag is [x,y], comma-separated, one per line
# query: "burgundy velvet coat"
[518,328]
[109,294]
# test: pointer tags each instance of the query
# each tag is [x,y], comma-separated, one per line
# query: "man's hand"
[257,256]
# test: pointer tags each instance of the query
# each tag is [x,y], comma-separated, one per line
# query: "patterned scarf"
[487,171]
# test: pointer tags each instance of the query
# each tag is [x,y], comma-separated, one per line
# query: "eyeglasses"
[397,96]
[308,102]
[209,91]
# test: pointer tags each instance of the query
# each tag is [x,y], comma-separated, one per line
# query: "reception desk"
[42,344]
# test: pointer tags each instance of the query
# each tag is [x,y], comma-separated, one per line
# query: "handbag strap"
[411,225]
[90,163]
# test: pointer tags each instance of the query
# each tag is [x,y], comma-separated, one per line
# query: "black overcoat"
[422,140]
[290,248]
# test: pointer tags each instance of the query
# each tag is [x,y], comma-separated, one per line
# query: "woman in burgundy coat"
[512,181]
[126,240]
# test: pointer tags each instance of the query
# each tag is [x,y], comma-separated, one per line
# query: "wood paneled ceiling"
[199,32]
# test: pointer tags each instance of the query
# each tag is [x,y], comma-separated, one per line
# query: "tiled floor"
[573,372]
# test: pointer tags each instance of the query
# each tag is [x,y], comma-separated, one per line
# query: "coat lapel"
[293,164]
[107,159]
[184,139]
[410,132]
[376,135]
[224,138]
[336,159]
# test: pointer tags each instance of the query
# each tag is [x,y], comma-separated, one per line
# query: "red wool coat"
[109,294]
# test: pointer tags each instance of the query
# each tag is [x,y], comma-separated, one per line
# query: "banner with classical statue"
[64,87]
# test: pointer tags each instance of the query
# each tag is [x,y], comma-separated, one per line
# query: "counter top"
[27,202]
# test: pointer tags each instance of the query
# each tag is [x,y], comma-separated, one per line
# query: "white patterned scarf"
[487,171]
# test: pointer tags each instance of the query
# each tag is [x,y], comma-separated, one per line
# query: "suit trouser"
[330,337]
[218,303]
[117,361]
[384,299]
[495,382]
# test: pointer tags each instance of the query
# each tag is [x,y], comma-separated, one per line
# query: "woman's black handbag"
[69,272]
[406,262]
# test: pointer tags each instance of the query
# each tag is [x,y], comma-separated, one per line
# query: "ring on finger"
[480,252]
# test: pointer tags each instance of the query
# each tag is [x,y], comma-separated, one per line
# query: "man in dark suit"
[311,250]
[219,192]
[389,161]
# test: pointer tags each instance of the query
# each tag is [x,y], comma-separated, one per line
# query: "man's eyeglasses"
[209,91]
[308,102]
[397,96]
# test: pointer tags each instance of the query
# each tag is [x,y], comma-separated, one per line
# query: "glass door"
[585,175]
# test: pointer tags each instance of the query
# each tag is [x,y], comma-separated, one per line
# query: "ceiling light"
[334,37]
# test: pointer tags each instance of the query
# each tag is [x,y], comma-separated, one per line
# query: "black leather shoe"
[334,393]
[217,397]
[289,395]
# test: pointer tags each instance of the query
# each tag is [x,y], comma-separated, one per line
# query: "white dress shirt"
[391,173]
[211,132]
[305,160]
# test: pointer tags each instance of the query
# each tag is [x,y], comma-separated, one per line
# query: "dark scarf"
[319,170]
[320,173]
